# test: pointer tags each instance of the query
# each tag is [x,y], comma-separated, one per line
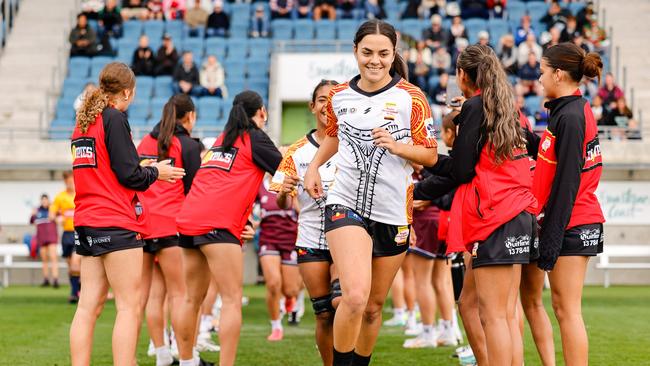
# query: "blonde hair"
[501,119]
[114,78]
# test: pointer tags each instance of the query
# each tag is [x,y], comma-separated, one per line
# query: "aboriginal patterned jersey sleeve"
[287,167]
[332,121]
[422,129]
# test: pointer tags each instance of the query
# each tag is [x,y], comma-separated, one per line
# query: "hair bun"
[591,65]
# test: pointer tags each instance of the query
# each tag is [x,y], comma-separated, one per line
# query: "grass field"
[34,326]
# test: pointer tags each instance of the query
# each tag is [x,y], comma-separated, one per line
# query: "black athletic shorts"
[511,243]
[584,240]
[439,253]
[94,242]
[67,243]
[306,255]
[154,245]
[387,240]
[213,237]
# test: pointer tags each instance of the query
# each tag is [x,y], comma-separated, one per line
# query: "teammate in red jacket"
[109,218]
[213,216]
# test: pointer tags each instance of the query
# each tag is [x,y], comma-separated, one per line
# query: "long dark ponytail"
[376,26]
[244,107]
[174,110]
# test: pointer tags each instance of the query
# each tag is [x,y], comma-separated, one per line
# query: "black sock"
[358,360]
[343,358]
[74,285]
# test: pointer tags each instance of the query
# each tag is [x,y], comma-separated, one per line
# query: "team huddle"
[340,210]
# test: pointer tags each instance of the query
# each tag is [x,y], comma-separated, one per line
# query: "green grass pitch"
[34,326]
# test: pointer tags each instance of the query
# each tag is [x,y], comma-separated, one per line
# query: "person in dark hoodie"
[169,139]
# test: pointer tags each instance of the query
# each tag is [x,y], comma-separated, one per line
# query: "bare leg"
[155,313]
[514,317]
[273,282]
[171,264]
[469,312]
[423,269]
[195,267]
[53,254]
[532,285]
[444,289]
[317,281]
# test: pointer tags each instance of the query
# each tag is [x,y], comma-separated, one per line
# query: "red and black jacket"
[162,199]
[569,166]
[226,184]
[107,175]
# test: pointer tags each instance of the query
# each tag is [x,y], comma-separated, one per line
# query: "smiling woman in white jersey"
[378,123]
[314,258]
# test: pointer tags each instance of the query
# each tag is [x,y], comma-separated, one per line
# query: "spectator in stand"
[589,88]
[418,69]
[345,9]
[597,109]
[555,16]
[110,20]
[259,26]
[174,9]
[374,10]
[438,94]
[474,9]
[412,10]
[143,58]
[47,241]
[441,60]
[460,45]
[484,38]
[422,8]
[529,77]
[166,57]
[523,30]
[156,10]
[186,76]
[218,22]
[541,115]
[82,38]
[496,8]
[570,29]
[620,115]
[585,14]
[195,18]
[555,38]
[579,41]
[596,36]
[134,9]
[527,47]
[325,6]
[212,78]
[521,105]
[610,92]
[422,50]
[303,9]
[507,53]
[436,36]
[89,8]
[456,30]
[88,90]
[281,9]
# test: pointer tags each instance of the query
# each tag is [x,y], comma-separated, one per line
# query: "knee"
[289,290]
[564,311]
[372,313]
[355,300]
[325,318]
[273,286]
[466,305]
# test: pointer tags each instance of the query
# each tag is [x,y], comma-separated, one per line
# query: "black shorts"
[154,245]
[387,240]
[439,253]
[511,243]
[67,243]
[307,255]
[98,241]
[584,240]
[213,237]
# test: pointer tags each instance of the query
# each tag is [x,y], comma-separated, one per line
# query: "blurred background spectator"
[134,9]
[166,57]
[143,58]
[213,78]
[186,76]
[259,26]
[195,18]
[82,38]
[218,22]
[281,8]
[110,20]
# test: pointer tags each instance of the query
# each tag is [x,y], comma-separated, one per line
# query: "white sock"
[427,330]
[412,319]
[446,324]
[276,324]
[186,362]
[399,312]
[163,356]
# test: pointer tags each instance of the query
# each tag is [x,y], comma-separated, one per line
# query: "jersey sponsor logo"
[593,157]
[367,110]
[402,235]
[84,153]
[518,244]
[590,237]
[218,159]
[431,129]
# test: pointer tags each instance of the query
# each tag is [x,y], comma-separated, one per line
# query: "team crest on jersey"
[402,235]
[475,250]
[431,130]
[84,153]
[218,159]
[546,143]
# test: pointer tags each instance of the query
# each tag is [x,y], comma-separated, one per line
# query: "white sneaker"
[396,321]
[413,329]
[165,359]
[204,343]
[447,337]
[421,341]
[174,346]
[301,304]
[456,327]
[151,351]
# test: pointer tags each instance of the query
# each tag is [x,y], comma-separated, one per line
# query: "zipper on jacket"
[478,202]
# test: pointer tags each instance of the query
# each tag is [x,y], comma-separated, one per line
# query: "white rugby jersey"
[369,179]
[311,219]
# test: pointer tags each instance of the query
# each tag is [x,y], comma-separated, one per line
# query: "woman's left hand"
[248,233]
[384,139]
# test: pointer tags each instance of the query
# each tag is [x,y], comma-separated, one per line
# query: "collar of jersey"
[355,80]
[310,138]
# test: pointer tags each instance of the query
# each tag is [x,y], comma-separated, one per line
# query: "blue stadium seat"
[144,85]
[206,123]
[215,46]
[137,122]
[536,10]
[533,103]
[304,29]
[62,123]
[154,29]
[575,7]
[126,46]
[61,130]
[473,26]
[412,27]
[237,49]
[131,29]
[97,64]
[162,86]
[79,67]
[497,28]
[235,69]
[240,10]
[326,30]
[258,68]
[64,111]
[72,87]
[516,10]
[346,28]
[235,86]
[282,29]
[157,105]
[194,45]
[209,108]
[259,86]
[138,111]
[239,31]
[259,48]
